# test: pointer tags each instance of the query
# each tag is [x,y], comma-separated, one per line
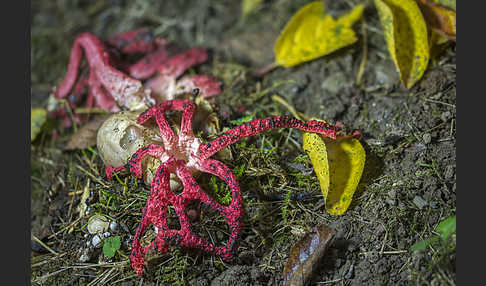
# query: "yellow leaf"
[406,37]
[346,163]
[37,118]
[338,164]
[316,149]
[311,34]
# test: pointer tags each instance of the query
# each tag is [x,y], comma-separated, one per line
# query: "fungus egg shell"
[119,137]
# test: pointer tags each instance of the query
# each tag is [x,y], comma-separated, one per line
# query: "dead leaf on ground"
[312,33]
[305,255]
[406,37]
[338,164]
[86,135]
[440,19]
[447,3]
[37,119]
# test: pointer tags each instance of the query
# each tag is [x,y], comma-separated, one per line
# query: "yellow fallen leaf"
[316,149]
[406,37]
[346,163]
[311,34]
[37,118]
[338,164]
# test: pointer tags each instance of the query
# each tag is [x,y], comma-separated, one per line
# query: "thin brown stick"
[44,245]
[362,65]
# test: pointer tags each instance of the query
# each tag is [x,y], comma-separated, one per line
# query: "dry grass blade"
[92,176]
[44,245]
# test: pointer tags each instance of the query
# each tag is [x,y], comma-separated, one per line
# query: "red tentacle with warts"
[135,41]
[118,84]
[233,213]
[149,64]
[134,165]
[155,213]
[256,126]
[179,63]
[187,106]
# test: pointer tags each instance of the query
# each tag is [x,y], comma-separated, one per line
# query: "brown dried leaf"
[305,255]
[86,135]
[440,18]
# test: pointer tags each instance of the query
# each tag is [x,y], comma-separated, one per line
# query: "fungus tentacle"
[256,126]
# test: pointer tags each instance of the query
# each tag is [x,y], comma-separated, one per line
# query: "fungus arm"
[256,126]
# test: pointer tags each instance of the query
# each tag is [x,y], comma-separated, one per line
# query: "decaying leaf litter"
[411,180]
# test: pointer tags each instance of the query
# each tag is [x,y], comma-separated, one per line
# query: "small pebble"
[449,172]
[391,202]
[349,274]
[437,96]
[376,142]
[113,226]
[427,138]
[84,257]
[334,82]
[401,206]
[445,116]
[37,247]
[96,241]
[419,202]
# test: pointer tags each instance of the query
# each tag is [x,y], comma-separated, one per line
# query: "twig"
[38,280]
[330,281]
[39,181]
[74,193]
[384,240]
[87,110]
[452,127]
[440,102]
[47,260]
[98,278]
[365,53]
[394,252]
[70,111]
[125,278]
[92,265]
[44,245]
[62,229]
[92,176]
[292,110]
[260,72]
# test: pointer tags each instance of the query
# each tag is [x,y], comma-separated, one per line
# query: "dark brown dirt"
[409,184]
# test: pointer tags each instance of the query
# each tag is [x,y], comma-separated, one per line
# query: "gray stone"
[419,202]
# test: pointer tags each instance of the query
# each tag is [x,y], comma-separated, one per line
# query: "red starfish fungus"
[182,154]
[114,83]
